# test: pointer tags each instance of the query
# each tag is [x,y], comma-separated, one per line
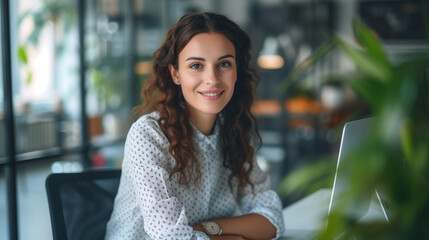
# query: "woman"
[189,168]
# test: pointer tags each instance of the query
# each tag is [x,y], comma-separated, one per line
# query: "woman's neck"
[203,122]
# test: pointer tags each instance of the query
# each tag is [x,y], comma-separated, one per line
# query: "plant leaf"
[371,42]
[369,89]
[305,178]
[29,78]
[22,54]
[365,61]
[305,65]
[407,139]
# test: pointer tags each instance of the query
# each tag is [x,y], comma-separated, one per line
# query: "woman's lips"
[211,95]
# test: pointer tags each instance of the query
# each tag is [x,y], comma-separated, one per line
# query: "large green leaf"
[366,62]
[370,42]
[369,89]
[407,139]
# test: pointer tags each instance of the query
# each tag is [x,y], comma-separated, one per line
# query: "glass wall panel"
[2,132]
[150,26]
[4,230]
[45,76]
[107,72]
[33,208]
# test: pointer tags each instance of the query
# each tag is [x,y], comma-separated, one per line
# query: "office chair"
[80,204]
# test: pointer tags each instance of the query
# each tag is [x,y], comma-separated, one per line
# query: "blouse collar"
[212,138]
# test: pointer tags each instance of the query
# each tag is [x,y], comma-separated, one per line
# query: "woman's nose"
[211,77]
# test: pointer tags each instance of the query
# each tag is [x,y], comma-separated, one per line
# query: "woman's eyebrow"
[203,59]
[195,58]
[226,56]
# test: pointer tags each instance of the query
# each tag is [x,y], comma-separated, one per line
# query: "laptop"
[309,214]
[365,210]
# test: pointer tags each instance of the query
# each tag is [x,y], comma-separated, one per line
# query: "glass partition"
[2,132]
[45,78]
[33,208]
[4,230]
[4,221]
[107,74]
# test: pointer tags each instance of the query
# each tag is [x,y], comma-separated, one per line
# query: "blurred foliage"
[23,59]
[55,12]
[298,181]
[106,74]
[304,67]
[107,78]
[394,158]
[60,13]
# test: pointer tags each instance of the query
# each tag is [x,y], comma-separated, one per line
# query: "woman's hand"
[227,237]
[222,237]
[250,226]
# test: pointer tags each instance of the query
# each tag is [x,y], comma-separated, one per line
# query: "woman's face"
[207,73]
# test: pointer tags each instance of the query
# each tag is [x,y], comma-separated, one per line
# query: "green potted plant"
[395,155]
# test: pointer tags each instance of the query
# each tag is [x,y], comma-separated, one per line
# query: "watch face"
[212,228]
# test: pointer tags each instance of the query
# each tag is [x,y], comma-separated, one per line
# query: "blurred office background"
[72,70]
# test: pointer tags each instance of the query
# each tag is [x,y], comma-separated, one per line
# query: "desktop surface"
[305,217]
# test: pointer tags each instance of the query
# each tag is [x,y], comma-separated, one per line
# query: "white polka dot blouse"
[150,205]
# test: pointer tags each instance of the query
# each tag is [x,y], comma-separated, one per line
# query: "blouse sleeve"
[146,166]
[263,200]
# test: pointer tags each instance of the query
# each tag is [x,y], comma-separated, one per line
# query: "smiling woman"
[189,164]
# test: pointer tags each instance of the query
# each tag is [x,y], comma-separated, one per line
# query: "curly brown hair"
[238,125]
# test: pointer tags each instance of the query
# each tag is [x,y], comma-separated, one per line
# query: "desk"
[306,216]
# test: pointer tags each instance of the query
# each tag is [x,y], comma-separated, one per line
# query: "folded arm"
[249,226]
[261,208]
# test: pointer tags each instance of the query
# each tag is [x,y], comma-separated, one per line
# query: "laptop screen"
[354,133]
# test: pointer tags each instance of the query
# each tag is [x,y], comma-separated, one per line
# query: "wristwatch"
[212,228]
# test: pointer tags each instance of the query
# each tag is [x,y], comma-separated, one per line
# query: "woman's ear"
[174,74]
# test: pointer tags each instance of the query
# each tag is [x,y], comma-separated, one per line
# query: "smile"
[212,94]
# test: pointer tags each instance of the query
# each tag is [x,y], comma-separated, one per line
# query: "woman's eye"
[224,64]
[196,66]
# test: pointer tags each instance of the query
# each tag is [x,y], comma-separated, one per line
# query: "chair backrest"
[80,204]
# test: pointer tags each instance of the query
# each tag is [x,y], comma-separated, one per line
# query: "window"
[3,206]
[4,231]
[46,76]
